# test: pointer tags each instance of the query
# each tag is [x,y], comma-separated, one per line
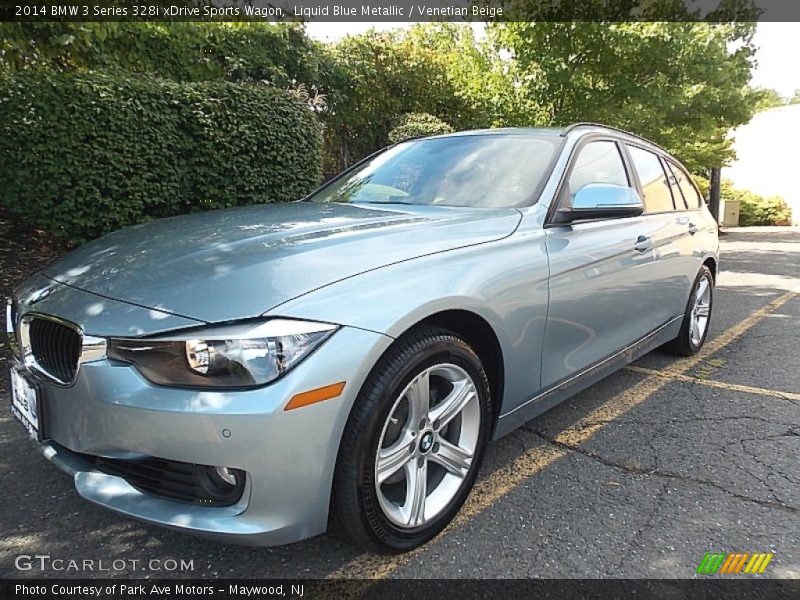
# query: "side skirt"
[577,383]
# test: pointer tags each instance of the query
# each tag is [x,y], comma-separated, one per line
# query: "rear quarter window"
[690,193]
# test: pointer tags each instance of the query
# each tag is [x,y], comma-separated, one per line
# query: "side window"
[677,193]
[657,195]
[690,193]
[598,162]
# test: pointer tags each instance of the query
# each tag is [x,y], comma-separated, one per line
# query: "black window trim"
[668,164]
[685,172]
[668,173]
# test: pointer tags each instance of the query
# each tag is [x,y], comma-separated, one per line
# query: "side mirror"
[602,201]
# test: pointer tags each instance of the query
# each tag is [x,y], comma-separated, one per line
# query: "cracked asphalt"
[638,476]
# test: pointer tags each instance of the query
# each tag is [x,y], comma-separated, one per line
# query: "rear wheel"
[413,443]
[697,317]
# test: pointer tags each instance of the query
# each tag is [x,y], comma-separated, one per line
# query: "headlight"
[11,324]
[242,355]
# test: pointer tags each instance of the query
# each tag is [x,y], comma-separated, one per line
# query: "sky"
[778,53]
[777,57]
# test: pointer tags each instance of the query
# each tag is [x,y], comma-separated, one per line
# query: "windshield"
[471,170]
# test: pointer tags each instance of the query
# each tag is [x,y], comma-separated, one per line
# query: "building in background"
[767,151]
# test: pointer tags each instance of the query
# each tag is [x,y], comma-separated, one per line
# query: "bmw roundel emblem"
[40,295]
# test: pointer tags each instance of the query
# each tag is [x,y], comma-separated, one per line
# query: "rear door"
[666,207]
[603,273]
[697,231]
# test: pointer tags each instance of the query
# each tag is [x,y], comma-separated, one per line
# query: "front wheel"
[413,442]
[697,317]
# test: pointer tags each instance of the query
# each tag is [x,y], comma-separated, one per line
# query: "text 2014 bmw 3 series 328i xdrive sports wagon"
[242,374]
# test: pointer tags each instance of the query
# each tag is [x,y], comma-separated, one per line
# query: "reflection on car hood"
[237,263]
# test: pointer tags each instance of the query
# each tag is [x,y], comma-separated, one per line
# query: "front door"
[602,275]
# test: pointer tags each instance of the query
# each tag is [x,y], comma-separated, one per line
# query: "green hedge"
[761,210]
[412,125]
[753,208]
[84,154]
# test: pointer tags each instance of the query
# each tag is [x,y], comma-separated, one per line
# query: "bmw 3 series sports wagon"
[249,374]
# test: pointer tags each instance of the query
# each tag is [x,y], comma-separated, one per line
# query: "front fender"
[503,282]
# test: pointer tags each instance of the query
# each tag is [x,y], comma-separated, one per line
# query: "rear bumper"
[288,456]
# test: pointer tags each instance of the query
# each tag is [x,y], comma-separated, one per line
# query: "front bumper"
[288,456]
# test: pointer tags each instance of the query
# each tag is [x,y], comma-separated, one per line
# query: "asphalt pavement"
[638,476]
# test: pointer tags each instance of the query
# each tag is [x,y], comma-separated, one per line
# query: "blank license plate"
[25,403]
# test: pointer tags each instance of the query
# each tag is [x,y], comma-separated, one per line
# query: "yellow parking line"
[499,483]
[734,387]
[486,492]
[727,336]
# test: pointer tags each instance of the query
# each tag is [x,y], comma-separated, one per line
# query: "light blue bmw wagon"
[249,374]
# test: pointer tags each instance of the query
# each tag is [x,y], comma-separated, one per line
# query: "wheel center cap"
[426,442]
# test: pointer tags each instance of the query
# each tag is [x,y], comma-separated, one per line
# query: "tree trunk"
[714,192]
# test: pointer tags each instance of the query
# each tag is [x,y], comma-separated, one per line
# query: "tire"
[688,341]
[386,416]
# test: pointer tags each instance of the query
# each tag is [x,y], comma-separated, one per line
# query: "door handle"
[693,228]
[643,244]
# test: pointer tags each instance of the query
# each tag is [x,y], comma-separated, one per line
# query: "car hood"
[239,263]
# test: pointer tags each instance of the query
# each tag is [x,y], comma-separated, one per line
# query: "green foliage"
[379,77]
[83,154]
[753,208]
[768,98]
[795,99]
[280,54]
[704,184]
[757,210]
[630,10]
[483,80]
[414,125]
[681,84]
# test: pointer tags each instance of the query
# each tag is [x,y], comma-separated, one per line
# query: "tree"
[483,80]
[768,98]
[795,99]
[381,76]
[415,125]
[681,84]
[435,68]
[279,54]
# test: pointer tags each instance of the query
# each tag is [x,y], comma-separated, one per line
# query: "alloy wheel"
[427,445]
[700,311]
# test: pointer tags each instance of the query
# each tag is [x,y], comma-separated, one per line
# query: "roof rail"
[574,126]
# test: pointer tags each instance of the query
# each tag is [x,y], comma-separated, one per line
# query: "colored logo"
[40,295]
[734,563]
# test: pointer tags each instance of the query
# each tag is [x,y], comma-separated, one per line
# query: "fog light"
[220,482]
[226,475]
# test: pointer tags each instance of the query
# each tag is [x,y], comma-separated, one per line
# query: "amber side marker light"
[313,396]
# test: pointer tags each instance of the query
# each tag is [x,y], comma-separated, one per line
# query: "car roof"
[583,128]
[539,131]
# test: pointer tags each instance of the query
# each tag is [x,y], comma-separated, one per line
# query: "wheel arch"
[479,334]
[712,264]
